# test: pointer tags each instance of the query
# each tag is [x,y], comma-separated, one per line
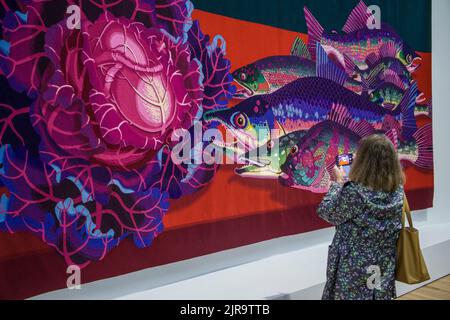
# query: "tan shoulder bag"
[410,265]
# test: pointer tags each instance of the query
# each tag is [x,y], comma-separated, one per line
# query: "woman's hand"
[339,174]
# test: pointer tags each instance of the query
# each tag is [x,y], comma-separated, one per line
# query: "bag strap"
[406,212]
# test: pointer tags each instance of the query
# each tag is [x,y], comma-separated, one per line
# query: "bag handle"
[406,212]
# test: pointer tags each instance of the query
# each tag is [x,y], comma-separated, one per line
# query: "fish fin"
[424,141]
[376,70]
[340,115]
[398,68]
[329,165]
[324,178]
[315,32]
[406,105]
[388,50]
[372,59]
[357,19]
[391,77]
[327,69]
[365,85]
[362,128]
[300,49]
[393,136]
[369,83]
[350,66]
[280,127]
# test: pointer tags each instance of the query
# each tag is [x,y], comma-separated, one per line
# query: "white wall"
[294,267]
[441,106]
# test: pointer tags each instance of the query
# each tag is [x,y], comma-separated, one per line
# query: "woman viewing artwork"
[366,210]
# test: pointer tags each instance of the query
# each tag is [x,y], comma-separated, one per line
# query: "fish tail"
[424,140]
[420,151]
[409,125]
[315,32]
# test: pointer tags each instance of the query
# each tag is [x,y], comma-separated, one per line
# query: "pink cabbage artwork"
[87,116]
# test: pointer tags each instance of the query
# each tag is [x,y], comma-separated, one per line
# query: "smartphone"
[345,160]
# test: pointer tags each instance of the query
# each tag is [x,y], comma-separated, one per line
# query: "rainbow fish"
[382,67]
[386,81]
[269,74]
[359,41]
[265,161]
[309,163]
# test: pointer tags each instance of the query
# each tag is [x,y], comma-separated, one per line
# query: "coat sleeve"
[340,204]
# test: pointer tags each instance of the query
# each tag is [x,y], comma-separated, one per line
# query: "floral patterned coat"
[361,258]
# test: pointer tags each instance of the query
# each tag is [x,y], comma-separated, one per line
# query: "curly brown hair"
[376,164]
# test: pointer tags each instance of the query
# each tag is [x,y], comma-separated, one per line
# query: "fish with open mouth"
[265,161]
[305,102]
[309,163]
[359,41]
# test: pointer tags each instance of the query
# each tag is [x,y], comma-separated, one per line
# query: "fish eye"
[243,76]
[239,120]
[294,150]
[409,58]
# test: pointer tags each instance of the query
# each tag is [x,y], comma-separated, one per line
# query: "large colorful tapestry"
[139,133]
